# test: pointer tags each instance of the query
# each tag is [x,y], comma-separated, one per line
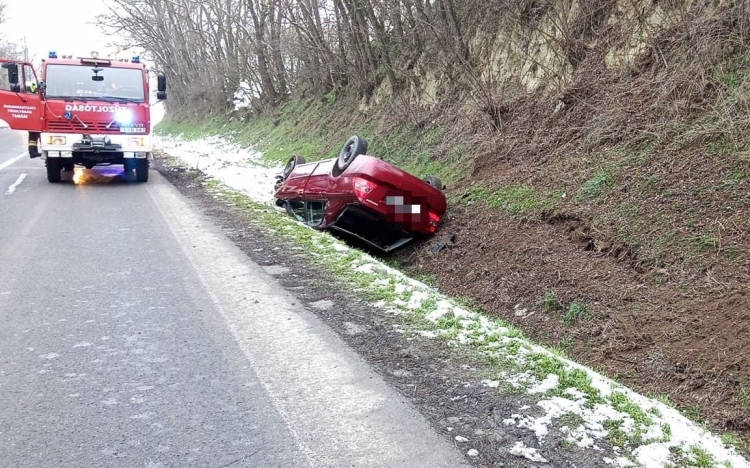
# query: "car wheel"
[294,161]
[434,182]
[353,147]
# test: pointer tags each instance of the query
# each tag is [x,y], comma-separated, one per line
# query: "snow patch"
[519,449]
[240,168]
[546,385]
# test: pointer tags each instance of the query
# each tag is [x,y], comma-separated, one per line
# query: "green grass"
[728,78]
[743,395]
[542,365]
[516,199]
[477,193]
[692,412]
[617,436]
[734,179]
[571,420]
[622,403]
[550,302]
[595,187]
[703,242]
[576,311]
[722,145]
[701,458]
[732,441]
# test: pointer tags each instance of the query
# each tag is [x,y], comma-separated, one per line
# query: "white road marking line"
[8,163]
[18,181]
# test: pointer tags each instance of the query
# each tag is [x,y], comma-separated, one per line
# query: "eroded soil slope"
[655,327]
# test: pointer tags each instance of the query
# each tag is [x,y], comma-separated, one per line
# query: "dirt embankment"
[610,219]
[632,254]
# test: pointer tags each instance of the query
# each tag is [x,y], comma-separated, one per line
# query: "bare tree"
[7,48]
[281,47]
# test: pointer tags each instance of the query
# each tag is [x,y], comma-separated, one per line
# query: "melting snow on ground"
[655,431]
[240,168]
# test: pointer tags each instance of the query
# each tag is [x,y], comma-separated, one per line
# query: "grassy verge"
[627,420]
[304,128]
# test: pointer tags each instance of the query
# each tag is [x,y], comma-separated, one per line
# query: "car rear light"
[434,221]
[363,187]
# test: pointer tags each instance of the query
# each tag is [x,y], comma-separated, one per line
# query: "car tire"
[293,162]
[141,170]
[353,147]
[433,181]
[53,170]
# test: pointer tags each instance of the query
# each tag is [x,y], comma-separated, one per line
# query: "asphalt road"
[132,333]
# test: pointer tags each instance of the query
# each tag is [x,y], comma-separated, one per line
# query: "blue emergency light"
[136,59]
[52,54]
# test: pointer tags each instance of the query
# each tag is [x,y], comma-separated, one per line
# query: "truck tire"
[53,170]
[141,170]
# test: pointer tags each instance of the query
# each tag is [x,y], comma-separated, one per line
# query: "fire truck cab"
[87,111]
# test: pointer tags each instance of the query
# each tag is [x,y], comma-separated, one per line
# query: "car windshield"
[75,82]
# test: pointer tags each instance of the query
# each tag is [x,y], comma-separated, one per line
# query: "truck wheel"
[68,166]
[141,170]
[128,167]
[53,170]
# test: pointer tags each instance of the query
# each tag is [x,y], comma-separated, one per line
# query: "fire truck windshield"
[74,82]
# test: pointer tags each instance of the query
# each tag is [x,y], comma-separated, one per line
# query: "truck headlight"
[123,116]
[55,140]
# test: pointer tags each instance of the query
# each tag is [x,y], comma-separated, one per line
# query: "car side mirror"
[161,95]
[161,84]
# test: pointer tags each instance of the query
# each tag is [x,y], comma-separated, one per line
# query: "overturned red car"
[361,196]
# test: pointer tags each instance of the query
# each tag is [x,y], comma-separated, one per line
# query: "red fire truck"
[86,111]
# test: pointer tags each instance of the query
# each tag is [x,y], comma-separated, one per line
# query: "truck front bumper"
[100,148]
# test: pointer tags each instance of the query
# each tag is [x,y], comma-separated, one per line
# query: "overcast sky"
[65,26]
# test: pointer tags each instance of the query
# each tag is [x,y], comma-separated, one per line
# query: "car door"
[20,105]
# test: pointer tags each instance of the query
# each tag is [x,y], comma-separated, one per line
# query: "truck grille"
[75,126]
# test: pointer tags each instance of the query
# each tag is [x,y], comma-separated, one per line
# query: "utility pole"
[25,50]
